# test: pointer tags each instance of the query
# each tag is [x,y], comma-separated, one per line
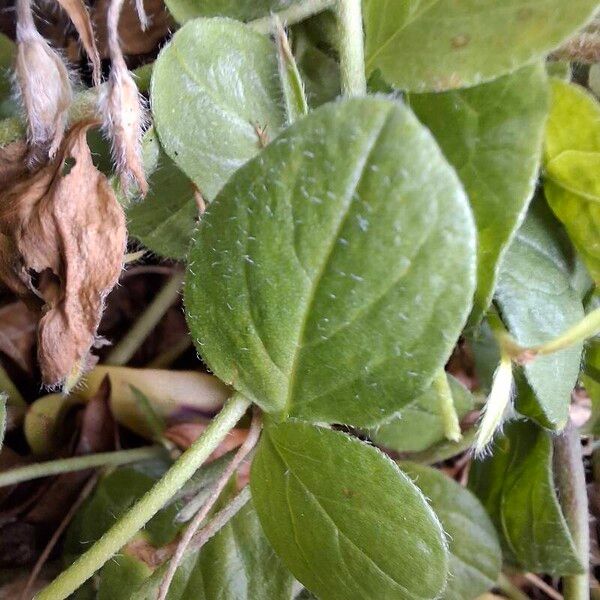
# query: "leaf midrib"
[355,183]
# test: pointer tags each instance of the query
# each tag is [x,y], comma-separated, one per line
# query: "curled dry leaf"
[78,13]
[44,86]
[17,334]
[123,111]
[62,247]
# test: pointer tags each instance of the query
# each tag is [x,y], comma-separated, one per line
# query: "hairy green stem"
[78,463]
[296,13]
[137,516]
[570,481]
[447,408]
[351,47]
[131,341]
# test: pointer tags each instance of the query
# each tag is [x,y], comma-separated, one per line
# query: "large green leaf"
[419,425]
[516,487]
[475,555]
[434,45]
[185,10]
[492,135]
[538,303]
[325,263]
[572,168]
[344,518]
[165,219]
[215,90]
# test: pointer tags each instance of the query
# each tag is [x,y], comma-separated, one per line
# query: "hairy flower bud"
[44,86]
[123,110]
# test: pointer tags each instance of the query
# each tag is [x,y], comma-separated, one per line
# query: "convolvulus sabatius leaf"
[492,135]
[165,218]
[326,262]
[538,303]
[344,518]
[185,10]
[434,45]
[216,99]
[516,487]
[572,168]
[475,555]
[419,424]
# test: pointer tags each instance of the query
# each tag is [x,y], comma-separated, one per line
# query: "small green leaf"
[120,576]
[538,303]
[349,232]
[185,10]
[494,142]
[344,518]
[419,424]
[165,219]
[475,555]
[435,45]
[572,163]
[215,99]
[516,487]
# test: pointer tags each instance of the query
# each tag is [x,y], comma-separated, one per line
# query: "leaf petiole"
[447,409]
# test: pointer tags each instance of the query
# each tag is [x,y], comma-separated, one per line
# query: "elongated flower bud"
[124,114]
[44,86]
[496,406]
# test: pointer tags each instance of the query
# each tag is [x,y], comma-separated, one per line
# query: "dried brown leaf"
[185,434]
[17,333]
[63,242]
[80,17]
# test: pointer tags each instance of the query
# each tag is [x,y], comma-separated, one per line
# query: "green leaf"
[516,487]
[419,424]
[185,10]
[215,89]
[120,576]
[114,495]
[495,143]
[325,263]
[591,382]
[475,555]
[435,45]
[537,304]
[344,518]
[237,564]
[572,162]
[165,219]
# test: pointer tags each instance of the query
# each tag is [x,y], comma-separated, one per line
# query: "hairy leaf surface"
[344,518]
[215,99]
[475,555]
[185,10]
[572,168]
[537,304]
[326,261]
[434,45]
[516,486]
[492,135]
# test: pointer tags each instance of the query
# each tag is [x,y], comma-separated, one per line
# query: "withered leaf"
[63,241]
[18,325]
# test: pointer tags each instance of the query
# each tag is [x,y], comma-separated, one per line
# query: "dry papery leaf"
[62,242]
[18,326]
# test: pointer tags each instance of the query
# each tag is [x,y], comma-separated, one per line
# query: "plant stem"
[137,516]
[587,327]
[126,348]
[447,408]
[570,481]
[232,467]
[351,48]
[509,589]
[78,463]
[294,14]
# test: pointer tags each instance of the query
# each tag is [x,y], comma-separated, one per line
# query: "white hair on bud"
[123,109]
[496,405]
[44,86]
